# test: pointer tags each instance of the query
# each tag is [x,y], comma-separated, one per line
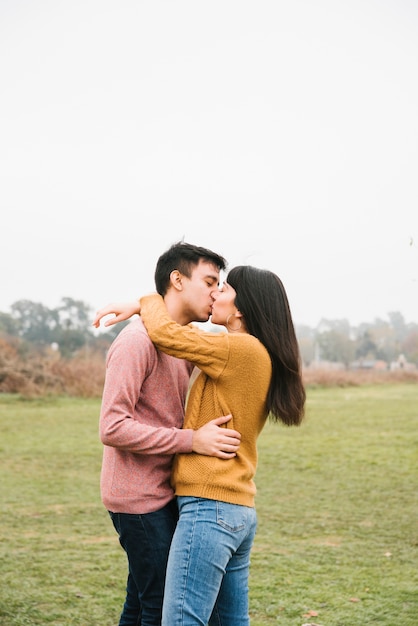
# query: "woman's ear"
[175,280]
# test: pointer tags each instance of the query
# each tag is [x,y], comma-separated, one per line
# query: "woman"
[253,372]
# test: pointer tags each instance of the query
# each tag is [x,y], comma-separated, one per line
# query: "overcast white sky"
[283,134]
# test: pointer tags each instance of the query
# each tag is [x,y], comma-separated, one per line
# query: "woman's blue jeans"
[208,565]
[146,540]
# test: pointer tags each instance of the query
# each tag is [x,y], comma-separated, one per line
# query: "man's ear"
[175,280]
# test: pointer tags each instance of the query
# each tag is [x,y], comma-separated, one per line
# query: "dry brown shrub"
[8,352]
[350,378]
[81,376]
[31,378]
[48,374]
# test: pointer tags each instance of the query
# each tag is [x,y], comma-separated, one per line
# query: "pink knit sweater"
[140,422]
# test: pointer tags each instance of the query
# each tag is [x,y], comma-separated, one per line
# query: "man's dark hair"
[183,257]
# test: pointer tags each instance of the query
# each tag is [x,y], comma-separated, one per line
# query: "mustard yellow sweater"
[234,378]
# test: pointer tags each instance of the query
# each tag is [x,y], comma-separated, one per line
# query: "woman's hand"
[122,311]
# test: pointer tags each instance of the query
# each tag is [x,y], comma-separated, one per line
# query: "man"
[141,428]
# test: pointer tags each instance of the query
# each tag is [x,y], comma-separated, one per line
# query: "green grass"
[337,543]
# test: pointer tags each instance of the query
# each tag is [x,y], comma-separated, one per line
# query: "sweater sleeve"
[128,364]
[209,351]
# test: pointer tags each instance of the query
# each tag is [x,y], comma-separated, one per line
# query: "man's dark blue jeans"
[146,540]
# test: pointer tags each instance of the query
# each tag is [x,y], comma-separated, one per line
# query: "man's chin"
[203,318]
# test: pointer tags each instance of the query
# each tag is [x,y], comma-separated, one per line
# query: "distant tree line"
[360,346]
[66,328]
[48,352]
[32,326]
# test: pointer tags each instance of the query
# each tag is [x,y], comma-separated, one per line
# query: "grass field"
[337,503]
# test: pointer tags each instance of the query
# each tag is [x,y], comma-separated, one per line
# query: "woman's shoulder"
[245,342]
